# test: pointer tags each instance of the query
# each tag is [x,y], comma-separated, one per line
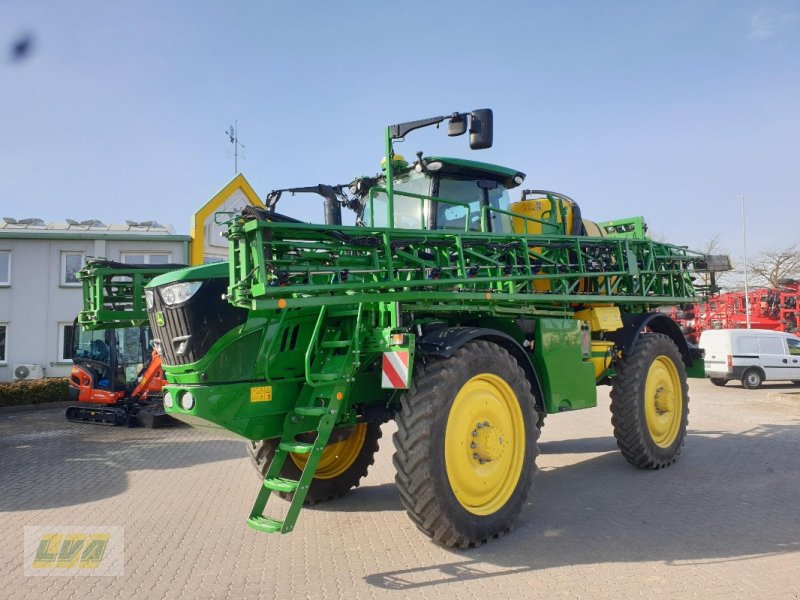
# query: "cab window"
[471,192]
[129,354]
[794,346]
[454,216]
[91,345]
[498,198]
[409,213]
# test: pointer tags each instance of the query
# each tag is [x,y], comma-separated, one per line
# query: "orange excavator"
[116,378]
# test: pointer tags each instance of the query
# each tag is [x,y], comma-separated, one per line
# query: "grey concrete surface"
[724,521]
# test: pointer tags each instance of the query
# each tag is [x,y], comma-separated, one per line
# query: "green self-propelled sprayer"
[462,315]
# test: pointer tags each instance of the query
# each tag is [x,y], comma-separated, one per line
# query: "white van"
[751,356]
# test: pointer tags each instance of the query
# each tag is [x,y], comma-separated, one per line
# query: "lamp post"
[746,289]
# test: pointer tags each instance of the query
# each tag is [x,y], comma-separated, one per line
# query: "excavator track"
[150,416]
[103,415]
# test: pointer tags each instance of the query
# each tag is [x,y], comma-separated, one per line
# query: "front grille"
[190,329]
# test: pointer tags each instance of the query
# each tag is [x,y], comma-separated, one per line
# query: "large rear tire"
[650,403]
[466,445]
[343,464]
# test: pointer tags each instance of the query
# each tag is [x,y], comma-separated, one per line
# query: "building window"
[146,258]
[5,267]
[66,333]
[71,263]
[3,341]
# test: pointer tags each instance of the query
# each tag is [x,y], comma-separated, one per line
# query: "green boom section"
[276,264]
[113,293]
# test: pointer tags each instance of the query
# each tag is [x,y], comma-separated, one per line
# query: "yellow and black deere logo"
[160,319]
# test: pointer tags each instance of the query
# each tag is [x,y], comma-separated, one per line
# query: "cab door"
[793,357]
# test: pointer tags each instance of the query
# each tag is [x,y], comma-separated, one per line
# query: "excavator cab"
[114,375]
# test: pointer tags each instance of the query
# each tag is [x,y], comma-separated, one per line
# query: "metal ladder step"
[327,376]
[281,484]
[311,411]
[296,447]
[336,344]
[265,524]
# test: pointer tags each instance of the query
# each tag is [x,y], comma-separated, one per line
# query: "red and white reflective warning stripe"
[395,370]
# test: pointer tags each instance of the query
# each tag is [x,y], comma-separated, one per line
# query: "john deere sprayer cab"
[460,313]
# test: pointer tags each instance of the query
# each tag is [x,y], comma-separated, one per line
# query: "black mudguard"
[444,342]
[634,323]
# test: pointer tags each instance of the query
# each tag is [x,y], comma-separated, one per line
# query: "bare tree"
[712,246]
[658,236]
[771,266]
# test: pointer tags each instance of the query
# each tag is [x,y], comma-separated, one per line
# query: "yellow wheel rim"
[663,401]
[337,457]
[484,444]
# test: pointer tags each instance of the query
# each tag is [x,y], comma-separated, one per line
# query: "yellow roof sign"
[207,243]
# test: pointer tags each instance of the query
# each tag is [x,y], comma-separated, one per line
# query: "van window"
[748,345]
[794,346]
[770,345]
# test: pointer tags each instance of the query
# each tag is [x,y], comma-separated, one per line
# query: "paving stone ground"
[724,521]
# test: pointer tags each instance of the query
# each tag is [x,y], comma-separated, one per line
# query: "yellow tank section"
[601,357]
[593,229]
[550,215]
[550,218]
[601,318]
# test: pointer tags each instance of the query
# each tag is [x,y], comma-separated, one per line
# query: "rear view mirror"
[480,130]
[457,126]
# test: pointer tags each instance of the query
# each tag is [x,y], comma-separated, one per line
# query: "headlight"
[168,400]
[435,165]
[187,401]
[178,293]
[148,299]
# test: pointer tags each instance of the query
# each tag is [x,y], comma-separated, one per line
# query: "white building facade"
[39,293]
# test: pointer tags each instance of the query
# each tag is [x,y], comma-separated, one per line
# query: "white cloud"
[768,22]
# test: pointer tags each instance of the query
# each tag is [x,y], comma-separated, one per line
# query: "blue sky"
[673,110]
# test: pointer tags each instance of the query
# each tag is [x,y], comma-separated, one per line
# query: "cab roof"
[473,168]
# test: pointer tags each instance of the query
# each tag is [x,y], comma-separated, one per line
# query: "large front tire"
[650,403]
[343,464]
[466,445]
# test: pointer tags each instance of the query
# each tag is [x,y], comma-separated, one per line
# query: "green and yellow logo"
[160,319]
[74,550]
[66,551]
